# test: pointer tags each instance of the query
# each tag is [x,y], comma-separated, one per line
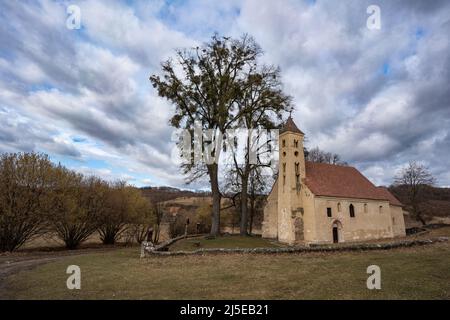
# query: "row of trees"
[319,156]
[39,197]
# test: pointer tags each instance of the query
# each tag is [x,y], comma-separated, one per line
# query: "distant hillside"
[436,202]
[178,205]
[158,194]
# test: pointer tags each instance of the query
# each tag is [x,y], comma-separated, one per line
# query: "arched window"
[381,209]
[365,208]
[351,208]
[284,143]
[339,207]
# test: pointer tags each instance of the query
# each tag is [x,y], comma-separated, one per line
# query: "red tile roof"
[343,181]
[392,199]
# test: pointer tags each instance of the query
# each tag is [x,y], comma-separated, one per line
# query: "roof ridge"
[324,179]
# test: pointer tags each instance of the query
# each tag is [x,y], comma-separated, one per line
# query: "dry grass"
[409,273]
[233,241]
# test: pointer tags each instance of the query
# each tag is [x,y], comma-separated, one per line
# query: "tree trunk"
[244,205]
[252,213]
[215,217]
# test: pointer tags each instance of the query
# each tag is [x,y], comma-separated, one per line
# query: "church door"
[335,235]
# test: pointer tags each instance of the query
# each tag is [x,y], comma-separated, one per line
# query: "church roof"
[290,126]
[392,199]
[345,182]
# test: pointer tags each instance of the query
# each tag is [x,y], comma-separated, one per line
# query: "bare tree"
[262,103]
[258,184]
[414,178]
[125,207]
[25,181]
[204,84]
[158,212]
[319,156]
[78,205]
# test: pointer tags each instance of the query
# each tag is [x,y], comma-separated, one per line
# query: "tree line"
[38,197]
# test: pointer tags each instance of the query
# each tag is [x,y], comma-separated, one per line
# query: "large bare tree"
[414,177]
[204,84]
[262,104]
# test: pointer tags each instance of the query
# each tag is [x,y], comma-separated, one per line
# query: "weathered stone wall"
[398,222]
[302,249]
[309,215]
[368,223]
[270,223]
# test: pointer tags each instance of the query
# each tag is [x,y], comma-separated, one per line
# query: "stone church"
[323,203]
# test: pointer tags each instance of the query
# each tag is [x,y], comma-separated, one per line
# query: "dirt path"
[17,262]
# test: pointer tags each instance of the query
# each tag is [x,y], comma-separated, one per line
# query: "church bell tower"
[291,174]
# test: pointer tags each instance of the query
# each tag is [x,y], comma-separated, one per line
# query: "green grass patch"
[227,242]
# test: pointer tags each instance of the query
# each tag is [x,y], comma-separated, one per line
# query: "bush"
[25,179]
[78,206]
[38,197]
[126,209]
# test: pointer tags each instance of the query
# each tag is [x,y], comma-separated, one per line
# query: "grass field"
[410,273]
[223,242]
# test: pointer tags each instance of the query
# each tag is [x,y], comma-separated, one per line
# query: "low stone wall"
[303,249]
[149,247]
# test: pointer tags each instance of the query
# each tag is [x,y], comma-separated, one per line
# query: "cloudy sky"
[379,98]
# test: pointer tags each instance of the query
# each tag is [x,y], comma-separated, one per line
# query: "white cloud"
[377,98]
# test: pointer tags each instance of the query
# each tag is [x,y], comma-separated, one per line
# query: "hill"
[158,194]
[435,202]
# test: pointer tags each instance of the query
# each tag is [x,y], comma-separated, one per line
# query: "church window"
[339,207]
[284,154]
[296,153]
[380,209]
[297,168]
[329,212]
[365,208]
[295,143]
[284,143]
[352,211]
[284,167]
